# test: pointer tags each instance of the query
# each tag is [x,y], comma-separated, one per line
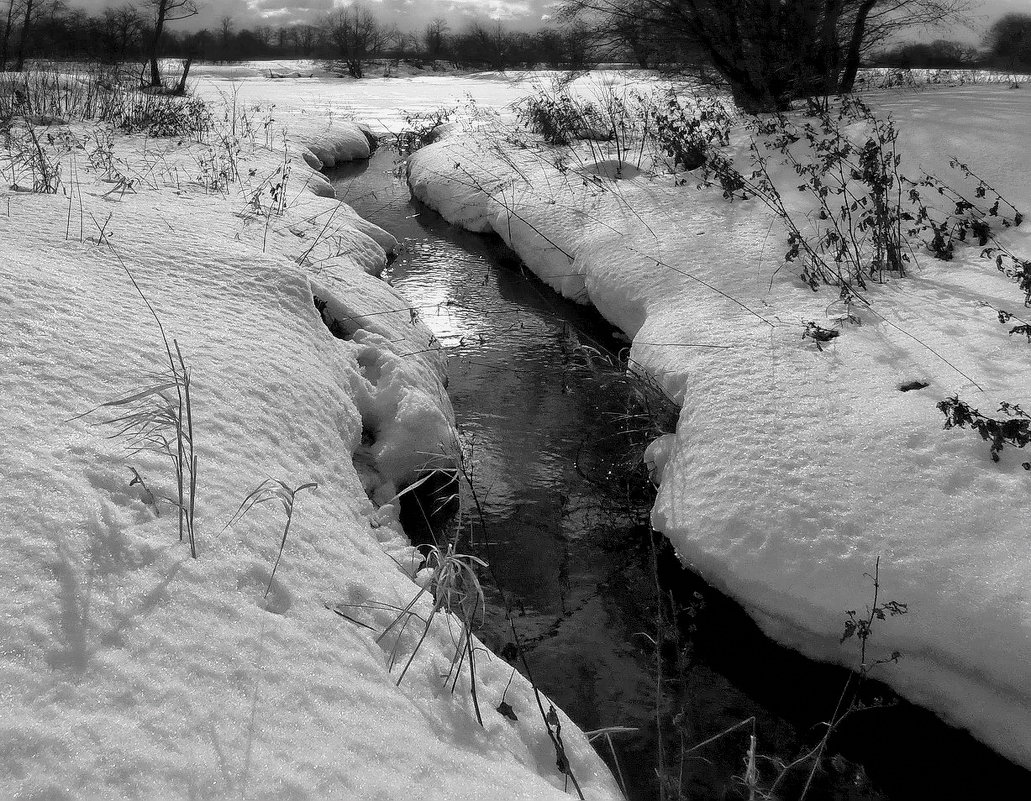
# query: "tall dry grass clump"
[47,95]
[156,416]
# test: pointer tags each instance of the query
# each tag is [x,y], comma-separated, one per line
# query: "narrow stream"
[536,408]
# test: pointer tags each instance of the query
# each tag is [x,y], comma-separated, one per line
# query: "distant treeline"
[1006,46]
[47,29]
[126,33]
[944,54]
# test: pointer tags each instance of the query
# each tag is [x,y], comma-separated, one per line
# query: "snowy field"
[129,669]
[795,466]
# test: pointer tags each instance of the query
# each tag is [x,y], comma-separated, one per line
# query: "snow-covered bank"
[795,467]
[887,77]
[128,669]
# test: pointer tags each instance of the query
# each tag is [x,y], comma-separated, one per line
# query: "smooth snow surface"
[795,467]
[130,670]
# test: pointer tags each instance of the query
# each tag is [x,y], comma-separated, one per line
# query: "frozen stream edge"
[795,565]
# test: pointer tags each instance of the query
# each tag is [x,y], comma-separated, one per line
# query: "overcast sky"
[414,14]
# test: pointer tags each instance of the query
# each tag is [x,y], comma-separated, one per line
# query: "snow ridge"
[129,670]
[795,467]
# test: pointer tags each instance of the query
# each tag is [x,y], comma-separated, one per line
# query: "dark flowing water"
[588,591]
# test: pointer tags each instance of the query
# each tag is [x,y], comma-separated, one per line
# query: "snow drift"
[130,670]
[795,467]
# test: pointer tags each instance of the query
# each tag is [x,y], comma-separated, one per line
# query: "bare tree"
[771,51]
[307,38]
[121,31]
[264,35]
[26,34]
[576,41]
[631,30]
[567,47]
[33,11]
[400,41]
[1009,41]
[166,11]
[225,37]
[357,36]
[13,9]
[489,45]
[882,21]
[434,37]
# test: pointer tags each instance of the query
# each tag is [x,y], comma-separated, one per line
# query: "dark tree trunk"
[159,24]
[752,65]
[155,72]
[855,46]
[830,45]
[180,88]
[26,32]
[641,51]
[7,36]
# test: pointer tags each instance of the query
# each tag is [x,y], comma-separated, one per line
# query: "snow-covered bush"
[166,116]
[32,160]
[849,227]
[860,216]
[1013,429]
[421,128]
[557,117]
[969,216]
[47,96]
[689,133]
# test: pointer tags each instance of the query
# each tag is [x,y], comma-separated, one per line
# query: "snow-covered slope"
[794,468]
[130,670]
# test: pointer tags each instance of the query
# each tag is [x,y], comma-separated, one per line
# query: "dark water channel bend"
[580,577]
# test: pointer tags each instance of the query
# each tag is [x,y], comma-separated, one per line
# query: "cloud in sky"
[414,14]
[408,14]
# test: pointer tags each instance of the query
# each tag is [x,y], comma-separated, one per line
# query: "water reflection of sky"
[573,582]
[505,367]
[510,347]
[459,302]
[522,409]
[445,309]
